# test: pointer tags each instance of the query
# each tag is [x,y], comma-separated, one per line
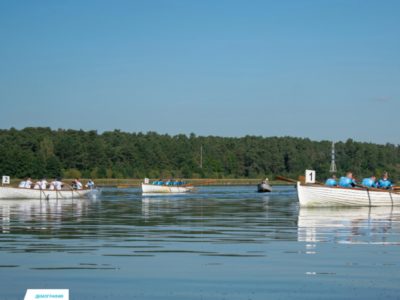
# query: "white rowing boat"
[320,195]
[23,193]
[169,189]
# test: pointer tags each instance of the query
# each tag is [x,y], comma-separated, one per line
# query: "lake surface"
[218,243]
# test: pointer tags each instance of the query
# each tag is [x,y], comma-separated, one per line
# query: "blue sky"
[326,70]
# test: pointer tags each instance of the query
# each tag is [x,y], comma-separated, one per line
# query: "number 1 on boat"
[310,176]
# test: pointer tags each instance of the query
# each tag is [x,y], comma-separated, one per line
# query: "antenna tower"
[333,164]
[201,157]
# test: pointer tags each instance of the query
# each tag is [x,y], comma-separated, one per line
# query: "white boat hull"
[263,188]
[320,196]
[21,193]
[154,189]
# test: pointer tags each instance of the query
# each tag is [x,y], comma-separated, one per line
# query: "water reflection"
[226,215]
[363,225]
[21,216]
[126,220]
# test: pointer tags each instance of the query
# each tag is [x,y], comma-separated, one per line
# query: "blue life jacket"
[331,182]
[346,182]
[384,183]
[368,182]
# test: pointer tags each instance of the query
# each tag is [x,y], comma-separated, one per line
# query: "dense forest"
[42,152]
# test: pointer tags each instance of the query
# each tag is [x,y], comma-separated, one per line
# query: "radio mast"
[333,164]
[201,157]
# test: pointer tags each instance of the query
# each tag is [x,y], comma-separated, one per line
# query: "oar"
[364,187]
[367,187]
[376,189]
[67,185]
[282,178]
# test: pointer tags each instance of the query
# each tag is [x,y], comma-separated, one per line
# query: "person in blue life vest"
[158,182]
[384,182]
[331,181]
[369,182]
[347,181]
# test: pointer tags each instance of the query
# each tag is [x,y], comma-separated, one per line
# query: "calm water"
[219,243]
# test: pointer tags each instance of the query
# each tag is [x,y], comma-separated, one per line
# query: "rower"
[369,182]
[331,181]
[37,185]
[347,181]
[56,184]
[25,184]
[52,184]
[90,184]
[22,184]
[28,183]
[42,184]
[384,182]
[78,184]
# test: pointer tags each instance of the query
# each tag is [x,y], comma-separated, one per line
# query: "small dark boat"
[264,186]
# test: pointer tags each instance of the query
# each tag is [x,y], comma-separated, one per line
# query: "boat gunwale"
[184,185]
[44,190]
[348,188]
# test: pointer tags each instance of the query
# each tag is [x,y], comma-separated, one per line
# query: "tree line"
[42,152]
